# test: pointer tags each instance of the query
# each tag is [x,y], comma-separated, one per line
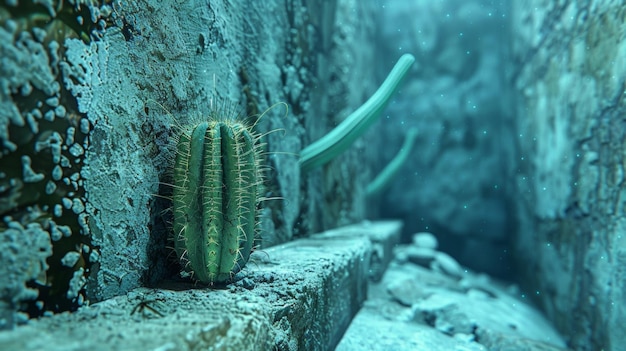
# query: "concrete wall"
[569,72]
[151,67]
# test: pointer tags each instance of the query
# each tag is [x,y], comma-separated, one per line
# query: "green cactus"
[215,195]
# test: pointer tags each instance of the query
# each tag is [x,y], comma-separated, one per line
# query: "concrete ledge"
[437,305]
[300,295]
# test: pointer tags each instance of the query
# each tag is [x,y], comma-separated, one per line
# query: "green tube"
[389,172]
[340,138]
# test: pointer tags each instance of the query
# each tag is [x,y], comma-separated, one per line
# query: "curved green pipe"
[340,138]
[383,179]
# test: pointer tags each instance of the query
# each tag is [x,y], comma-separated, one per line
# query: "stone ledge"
[430,305]
[300,295]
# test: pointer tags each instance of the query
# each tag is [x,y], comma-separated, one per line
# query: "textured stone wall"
[149,68]
[569,74]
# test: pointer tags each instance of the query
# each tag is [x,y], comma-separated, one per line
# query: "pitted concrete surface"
[298,296]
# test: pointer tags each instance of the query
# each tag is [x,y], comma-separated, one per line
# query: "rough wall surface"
[570,59]
[46,242]
[344,79]
[160,65]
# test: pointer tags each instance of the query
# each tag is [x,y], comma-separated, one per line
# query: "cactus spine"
[215,195]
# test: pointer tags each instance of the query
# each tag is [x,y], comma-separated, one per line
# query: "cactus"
[215,195]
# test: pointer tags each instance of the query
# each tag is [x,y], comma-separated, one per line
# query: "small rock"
[425,240]
[407,291]
[400,254]
[465,337]
[420,255]
[247,283]
[447,265]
